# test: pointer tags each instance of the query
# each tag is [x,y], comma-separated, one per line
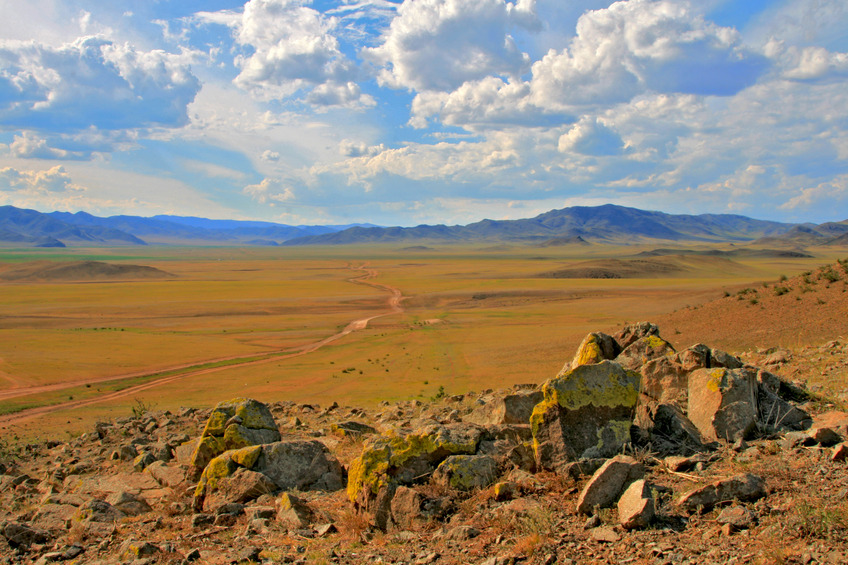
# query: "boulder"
[666,378]
[636,506]
[301,465]
[720,358]
[665,429]
[234,424]
[513,408]
[466,472]
[775,414]
[723,403]
[586,412]
[632,332]
[608,482]
[406,508]
[98,511]
[741,487]
[737,517]
[242,486]
[390,461]
[167,475]
[594,348]
[644,350]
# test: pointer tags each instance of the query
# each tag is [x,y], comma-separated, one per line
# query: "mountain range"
[575,225]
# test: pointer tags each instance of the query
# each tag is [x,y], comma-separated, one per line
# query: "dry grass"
[474,320]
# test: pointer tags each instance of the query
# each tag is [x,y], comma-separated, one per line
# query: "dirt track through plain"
[393,302]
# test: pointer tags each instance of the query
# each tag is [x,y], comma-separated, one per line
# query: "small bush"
[780,290]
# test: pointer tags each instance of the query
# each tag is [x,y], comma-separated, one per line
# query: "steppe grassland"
[474,319]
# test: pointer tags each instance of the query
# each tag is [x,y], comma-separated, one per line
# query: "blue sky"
[424,111]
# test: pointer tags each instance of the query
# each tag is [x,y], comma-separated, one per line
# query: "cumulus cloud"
[808,63]
[440,44]
[53,180]
[291,48]
[621,52]
[591,137]
[271,156]
[351,148]
[270,190]
[92,82]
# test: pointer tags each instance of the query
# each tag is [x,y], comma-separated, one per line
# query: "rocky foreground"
[634,453]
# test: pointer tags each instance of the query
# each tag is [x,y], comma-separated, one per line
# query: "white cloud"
[30,146]
[270,156]
[591,137]
[291,48]
[809,63]
[92,82]
[270,190]
[829,193]
[440,44]
[350,148]
[53,180]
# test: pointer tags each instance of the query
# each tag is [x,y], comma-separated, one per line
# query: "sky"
[424,111]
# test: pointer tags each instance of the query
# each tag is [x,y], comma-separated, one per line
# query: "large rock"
[514,408]
[21,535]
[741,487]
[234,424]
[665,428]
[586,412]
[666,378]
[723,403]
[608,482]
[632,332]
[301,465]
[594,348]
[389,461]
[643,350]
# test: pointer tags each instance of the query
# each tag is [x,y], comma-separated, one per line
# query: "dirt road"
[185,371]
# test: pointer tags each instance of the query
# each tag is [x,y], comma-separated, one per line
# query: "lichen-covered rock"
[586,412]
[128,503]
[405,459]
[234,424]
[293,512]
[643,350]
[393,460]
[301,465]
[723,403]
[466,472]
[594,348]
[632,332]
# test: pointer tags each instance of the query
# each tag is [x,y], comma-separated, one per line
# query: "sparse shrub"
[830,275]
[440,393]
[782,278]
[726,294]
[820,301]
[780,290]
[754,301]
[141,408]
[815,519]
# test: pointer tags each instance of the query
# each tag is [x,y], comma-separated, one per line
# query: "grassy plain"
[474,318]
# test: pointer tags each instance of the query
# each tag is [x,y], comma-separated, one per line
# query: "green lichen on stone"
[656,342]
[219,468]
[717,379]
[613,435]
[602,384]
[371,468]
[589,352]
[467,472]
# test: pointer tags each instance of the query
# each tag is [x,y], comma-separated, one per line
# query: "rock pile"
[633,452]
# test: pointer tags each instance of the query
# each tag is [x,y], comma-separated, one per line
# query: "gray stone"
[514,408]
[466,472]
[738,517]
[608,482]
[636,506]
[632,332]
[406,508]
[745,487]
[462,533]
[98,511]
[300,465]
[242,486]
[167,475]
[666,429]
[23,536]
[825,436]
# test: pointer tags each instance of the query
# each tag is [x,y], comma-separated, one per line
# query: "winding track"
[393,302]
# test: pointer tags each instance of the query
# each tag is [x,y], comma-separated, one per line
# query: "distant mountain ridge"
[607,223]
[578,225]
[57,229]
